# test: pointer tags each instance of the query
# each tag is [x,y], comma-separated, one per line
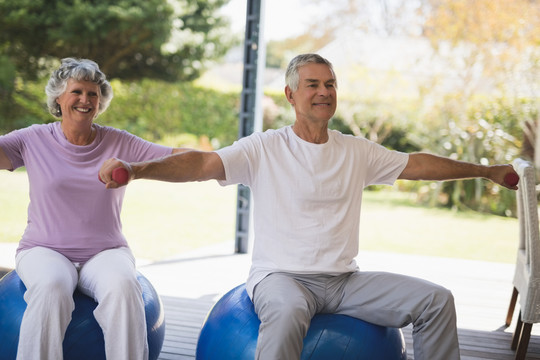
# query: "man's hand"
[504,175]
[115,173]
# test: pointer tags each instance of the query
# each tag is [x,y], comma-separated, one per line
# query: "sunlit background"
[454,77]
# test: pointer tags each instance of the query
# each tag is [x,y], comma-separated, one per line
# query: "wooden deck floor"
[191,284]
[185,318]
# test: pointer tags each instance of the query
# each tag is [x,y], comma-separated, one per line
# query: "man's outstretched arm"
[185,166]
[422,166]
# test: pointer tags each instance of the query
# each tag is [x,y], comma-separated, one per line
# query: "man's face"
[315,100]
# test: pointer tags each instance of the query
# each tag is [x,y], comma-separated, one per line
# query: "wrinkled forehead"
[316,72]
[73,84]
[82,83]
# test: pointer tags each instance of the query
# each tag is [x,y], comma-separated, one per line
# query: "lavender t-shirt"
[70,210]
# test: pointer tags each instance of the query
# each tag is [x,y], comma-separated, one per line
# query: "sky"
[282,18]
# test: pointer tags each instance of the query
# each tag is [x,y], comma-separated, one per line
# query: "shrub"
[491,133]
[156,109]
[152,109]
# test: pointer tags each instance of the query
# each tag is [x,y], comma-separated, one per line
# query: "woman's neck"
[79,136]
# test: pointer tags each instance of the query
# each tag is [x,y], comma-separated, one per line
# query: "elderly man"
[307,184]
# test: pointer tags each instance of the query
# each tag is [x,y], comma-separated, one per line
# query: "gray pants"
[285,304]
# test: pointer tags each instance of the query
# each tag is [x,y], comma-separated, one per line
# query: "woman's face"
[80,101]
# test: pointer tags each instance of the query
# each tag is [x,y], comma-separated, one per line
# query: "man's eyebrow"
[317,80]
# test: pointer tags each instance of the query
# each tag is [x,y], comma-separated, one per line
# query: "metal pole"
[250,110]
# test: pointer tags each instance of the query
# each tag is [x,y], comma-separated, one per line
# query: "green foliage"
[382,121]
[130,39]
[490,134]
[7,76]
[157,110]
[24,106]
[7,87]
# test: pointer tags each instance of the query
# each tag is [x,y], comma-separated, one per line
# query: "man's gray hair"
[291,75]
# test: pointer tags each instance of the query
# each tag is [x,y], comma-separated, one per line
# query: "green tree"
[162,39]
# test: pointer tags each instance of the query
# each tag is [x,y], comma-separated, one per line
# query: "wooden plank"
[474,344]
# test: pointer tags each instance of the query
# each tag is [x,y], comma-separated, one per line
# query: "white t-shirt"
[307,197]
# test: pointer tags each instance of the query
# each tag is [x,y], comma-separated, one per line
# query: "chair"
[527,273]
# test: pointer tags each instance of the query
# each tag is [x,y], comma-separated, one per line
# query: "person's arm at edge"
[5,163]
[423,166]
[182,165]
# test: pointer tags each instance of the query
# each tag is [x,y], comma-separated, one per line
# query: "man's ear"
[289,95]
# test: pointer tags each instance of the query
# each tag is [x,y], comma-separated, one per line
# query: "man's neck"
[312,133]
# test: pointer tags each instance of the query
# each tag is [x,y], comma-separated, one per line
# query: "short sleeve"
[13,146]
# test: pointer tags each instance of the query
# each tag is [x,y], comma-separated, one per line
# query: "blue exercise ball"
[84,338]
[231,329]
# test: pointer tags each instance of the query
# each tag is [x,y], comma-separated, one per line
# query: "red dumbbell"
[510,179]
[120,175]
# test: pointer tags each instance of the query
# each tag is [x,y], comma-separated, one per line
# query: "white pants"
[110,278]
[285,304]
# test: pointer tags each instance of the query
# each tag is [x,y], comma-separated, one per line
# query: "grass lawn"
[162,220]
[391,221]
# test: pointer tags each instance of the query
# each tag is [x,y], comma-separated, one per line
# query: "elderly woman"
[74,235]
